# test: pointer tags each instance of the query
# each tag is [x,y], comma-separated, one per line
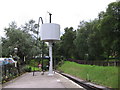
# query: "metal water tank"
[50,32]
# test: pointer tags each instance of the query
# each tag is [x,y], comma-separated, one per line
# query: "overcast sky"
[67,13]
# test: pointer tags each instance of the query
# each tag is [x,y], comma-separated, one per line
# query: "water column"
[0,47]
[50,33]
[0,63]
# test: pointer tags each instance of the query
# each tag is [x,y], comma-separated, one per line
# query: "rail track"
[87,85]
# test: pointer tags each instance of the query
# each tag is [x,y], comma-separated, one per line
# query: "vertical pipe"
[40,18]
[50,16]
[51,61]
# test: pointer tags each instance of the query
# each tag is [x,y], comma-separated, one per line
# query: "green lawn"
[35,69]
[103,75]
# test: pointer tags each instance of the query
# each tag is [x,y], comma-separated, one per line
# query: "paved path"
[41,81]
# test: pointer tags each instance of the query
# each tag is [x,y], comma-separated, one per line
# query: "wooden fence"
[99,63]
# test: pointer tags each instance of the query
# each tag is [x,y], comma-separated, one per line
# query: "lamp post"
[15,56]
[87,56]
[15,49]
[15,52]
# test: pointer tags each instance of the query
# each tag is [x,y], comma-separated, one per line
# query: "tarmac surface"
[27,80]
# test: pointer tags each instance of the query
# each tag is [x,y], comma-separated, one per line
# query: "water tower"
[50,32]
[0,47]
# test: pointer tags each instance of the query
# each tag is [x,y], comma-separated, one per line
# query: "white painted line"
[70,80]
[58,80]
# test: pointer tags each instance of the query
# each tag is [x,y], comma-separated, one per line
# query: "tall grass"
[103,75]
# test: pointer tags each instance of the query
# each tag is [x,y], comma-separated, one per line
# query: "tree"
[67,44]
[95,49]
[110,30]
[88,40]
[100,38]
[27,45]
[24,38]
[31,27]
[81,40]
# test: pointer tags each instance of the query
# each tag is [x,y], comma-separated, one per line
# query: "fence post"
[115,63]
[5,69]
[108,63]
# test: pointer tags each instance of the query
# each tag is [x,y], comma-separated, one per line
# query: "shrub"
[27,68]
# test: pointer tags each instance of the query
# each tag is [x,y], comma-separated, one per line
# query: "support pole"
[51,61]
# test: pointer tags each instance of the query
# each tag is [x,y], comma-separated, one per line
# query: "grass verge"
[103,75]
[29,68]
